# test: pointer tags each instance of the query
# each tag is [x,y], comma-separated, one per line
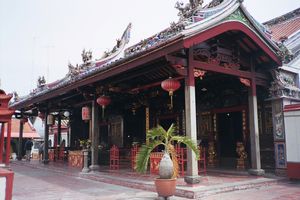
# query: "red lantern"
[103,101]
[170,85]
[85,113]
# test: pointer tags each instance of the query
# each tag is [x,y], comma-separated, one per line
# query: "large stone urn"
[165,184]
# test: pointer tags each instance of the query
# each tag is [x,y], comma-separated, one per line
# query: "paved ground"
[281,191]
[36,183]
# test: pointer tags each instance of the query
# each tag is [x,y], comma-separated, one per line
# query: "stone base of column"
[94,167]
[3,165]
[85,170]
[192,179]
[46,161]
[256,172]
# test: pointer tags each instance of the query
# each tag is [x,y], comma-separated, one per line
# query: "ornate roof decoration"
[214,3]
[193,19]
[41,81]
[284,84]
[188,10]
[86,56]
[285,55]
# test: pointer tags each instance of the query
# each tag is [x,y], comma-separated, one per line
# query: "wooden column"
[20,140]
[1,142]
[95,136]
[46,140]
[253,125]
[190,116]
[8,138]
[59,129]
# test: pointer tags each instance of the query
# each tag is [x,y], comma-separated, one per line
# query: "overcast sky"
[40,37]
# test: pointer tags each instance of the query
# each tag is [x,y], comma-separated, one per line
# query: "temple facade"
[225,90]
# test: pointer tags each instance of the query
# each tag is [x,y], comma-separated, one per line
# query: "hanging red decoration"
[86,113]
[170,85]
[103,101]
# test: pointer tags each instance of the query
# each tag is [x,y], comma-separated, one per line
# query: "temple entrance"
[229,133]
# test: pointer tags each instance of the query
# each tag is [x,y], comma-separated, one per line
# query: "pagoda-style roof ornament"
[187,10]
[5,112]
[86,56]
[41,82]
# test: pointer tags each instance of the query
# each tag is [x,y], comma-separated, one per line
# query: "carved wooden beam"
[178,63]
[220,69]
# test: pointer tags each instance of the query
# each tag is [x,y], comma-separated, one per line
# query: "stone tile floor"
[57,181]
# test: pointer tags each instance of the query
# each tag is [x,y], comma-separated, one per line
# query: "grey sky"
[40,37]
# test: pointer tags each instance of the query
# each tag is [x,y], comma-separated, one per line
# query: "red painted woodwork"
[223,70]
[292,107]
[230,26]
[190,79]
[75,159]
[134,152]
[155,158]
[230,109]
[181,157]
[202,161]
[114,159]
[9,175]
[293,170]
[5,117]
[51,154]
[1,142]
[86,113]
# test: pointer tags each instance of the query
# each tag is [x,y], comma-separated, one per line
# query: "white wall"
[292,133]
[2,188]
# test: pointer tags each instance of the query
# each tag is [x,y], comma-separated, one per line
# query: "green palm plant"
[159,136]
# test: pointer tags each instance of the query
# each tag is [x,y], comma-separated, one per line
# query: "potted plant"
[168,166]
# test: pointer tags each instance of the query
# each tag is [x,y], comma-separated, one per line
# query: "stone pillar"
[46,140]
[85,168]
[190,121]
[59,129]
[1,142]
[20,140]
[8,143]
[95,136]
[254,130]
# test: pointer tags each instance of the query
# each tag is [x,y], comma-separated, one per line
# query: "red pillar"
[8,143]
[1,142]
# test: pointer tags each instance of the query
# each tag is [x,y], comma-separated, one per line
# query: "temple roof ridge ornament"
[194,19]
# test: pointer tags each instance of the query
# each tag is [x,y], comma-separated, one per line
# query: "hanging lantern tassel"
[103,110]
[170,85]
[171,96]
[103,101]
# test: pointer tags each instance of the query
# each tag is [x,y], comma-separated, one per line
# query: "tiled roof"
[193,20]
[28,130]
[284,26]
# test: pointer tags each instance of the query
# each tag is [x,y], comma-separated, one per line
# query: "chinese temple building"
[212,73]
